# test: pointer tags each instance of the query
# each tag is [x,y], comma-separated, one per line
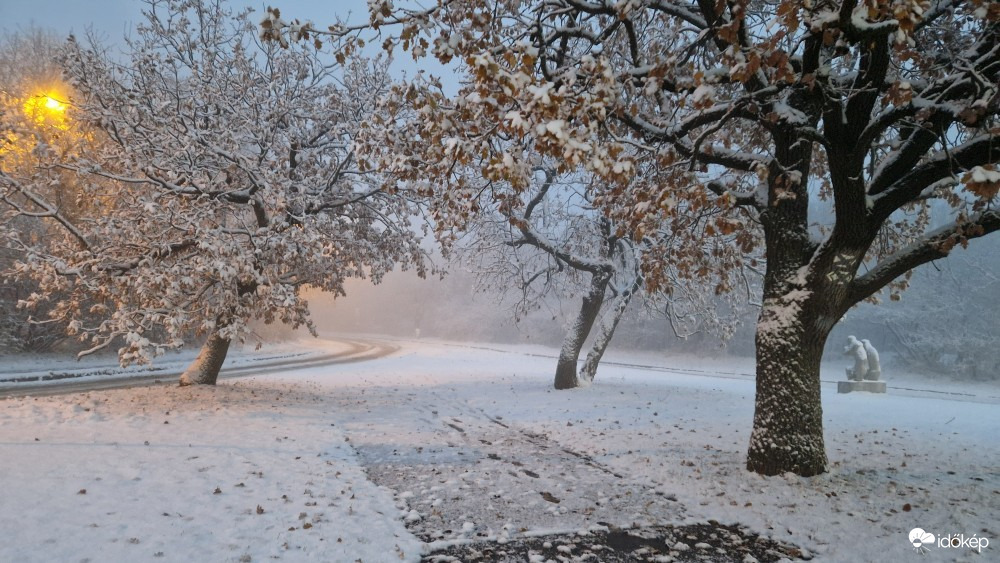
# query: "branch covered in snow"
[933,246]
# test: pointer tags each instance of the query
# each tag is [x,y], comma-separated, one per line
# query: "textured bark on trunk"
[569,355]
[607,332]
[204,370]
[801,295]
[788,413]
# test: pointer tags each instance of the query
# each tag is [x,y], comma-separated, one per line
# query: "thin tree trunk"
[569,355]
[788,415]
[204,370]
[604,336]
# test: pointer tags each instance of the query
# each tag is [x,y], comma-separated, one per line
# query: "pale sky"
[112,18]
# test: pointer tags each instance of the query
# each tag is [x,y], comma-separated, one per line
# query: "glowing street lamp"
[47,122]
[53,104]
[46,108]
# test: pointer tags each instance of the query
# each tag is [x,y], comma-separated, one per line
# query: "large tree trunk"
[604,336]
[788,415]
[569,355]
[204,370]
[800,298]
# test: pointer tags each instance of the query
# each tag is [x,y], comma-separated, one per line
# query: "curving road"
[357,351]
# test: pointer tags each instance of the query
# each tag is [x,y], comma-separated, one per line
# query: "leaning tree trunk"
[204,370]
[569,355]
[604,336]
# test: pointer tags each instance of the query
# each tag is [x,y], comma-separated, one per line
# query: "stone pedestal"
[867,386]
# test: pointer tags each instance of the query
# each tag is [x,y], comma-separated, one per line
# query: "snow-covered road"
[36,382]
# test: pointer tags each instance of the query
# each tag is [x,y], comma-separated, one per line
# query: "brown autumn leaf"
[549,497]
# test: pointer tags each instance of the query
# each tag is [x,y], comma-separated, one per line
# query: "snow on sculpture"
[864,375]
[874,368]
[857,350]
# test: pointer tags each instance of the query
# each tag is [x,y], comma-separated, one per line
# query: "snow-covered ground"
[446,443]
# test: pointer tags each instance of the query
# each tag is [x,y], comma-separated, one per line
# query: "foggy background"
[946,323]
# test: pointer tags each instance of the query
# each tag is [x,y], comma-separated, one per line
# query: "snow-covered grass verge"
[247,471]
[459,443]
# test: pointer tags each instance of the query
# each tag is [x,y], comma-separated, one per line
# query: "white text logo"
[922,541]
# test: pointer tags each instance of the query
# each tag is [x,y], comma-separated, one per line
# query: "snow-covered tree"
[226,183]
[548,244]
[760,107]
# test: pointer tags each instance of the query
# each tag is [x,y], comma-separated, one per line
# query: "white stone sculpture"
[856,349]
[874,368]
[864,376]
